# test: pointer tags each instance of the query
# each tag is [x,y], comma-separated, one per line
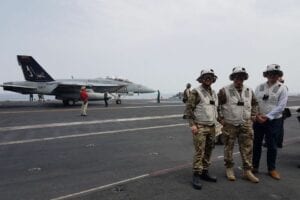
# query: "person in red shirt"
[84,98]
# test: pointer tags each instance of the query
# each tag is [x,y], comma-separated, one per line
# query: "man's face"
[238,80]
[207,79]
[273,76]
[238,83]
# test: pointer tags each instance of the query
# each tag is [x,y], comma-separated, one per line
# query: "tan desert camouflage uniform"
[243,133]
[204,141]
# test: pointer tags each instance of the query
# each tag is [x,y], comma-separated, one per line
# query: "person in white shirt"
[272,98]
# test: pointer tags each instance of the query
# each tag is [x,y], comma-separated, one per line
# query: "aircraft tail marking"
[32,70]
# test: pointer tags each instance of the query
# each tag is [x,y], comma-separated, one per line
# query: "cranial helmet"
[238,70]
[273,68]
[188,85]
[207,71]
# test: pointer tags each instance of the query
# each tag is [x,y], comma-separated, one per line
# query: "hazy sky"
[159,43]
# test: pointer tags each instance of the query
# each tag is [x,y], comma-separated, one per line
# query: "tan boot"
[274,174]
[230,174]
[248,175]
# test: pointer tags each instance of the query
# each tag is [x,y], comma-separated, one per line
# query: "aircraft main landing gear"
[67,102]
[118,101]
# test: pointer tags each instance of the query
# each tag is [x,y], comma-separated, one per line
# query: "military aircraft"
[38,81]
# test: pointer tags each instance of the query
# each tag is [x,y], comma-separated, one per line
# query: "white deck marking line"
[293,107]
[13,128]
[287,141]
[155,173]
[90,134]
[100,187]
[90,109]
[168,170]
[112,108]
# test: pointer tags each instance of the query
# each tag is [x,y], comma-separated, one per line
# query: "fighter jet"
[38,81]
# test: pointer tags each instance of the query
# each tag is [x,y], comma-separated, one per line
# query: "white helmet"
[238,70]
[207,71]
[273,68]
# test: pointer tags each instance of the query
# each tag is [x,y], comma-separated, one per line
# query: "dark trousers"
[270,130]
[281,134]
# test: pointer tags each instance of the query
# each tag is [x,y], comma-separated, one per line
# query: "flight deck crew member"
[238,107]
[84,98]
[272,97]
[186,94]
[158,96]
[106,99]
[201,111]
[30,97]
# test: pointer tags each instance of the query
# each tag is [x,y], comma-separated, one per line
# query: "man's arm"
[283,97]
[192,102]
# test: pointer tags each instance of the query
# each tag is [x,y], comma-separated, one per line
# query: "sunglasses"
[273,73]
[240,77]
[209,77]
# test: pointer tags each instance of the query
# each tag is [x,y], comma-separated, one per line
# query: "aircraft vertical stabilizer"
[32,70]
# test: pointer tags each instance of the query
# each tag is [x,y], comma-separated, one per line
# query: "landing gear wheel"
[118,101]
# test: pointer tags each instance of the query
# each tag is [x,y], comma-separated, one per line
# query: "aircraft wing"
[19,88]
[96,87]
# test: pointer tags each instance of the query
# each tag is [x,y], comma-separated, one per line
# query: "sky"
[163,44]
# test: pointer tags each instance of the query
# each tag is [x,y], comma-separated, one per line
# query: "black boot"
[207,177]
[197,181]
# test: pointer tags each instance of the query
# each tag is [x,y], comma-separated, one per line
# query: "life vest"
[83,95]
[237,109]
[206,111]
[268,97]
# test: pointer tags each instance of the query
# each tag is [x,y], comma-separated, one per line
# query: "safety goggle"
[273,73]
[208,77]
[240,77]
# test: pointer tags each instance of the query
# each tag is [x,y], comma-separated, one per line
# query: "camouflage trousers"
[244,135]
[204,142]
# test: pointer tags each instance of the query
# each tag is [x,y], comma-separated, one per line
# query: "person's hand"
[261,119]
[221,121]
[264,118]
[194,129]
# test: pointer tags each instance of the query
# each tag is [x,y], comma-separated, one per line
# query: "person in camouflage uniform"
[201,112]
[186,94]
[238,107]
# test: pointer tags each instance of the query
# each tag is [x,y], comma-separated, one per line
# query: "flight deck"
[137,150]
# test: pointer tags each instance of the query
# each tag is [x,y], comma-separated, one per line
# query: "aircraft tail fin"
[32,70]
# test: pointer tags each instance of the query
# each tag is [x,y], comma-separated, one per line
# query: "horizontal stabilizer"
[20,89]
